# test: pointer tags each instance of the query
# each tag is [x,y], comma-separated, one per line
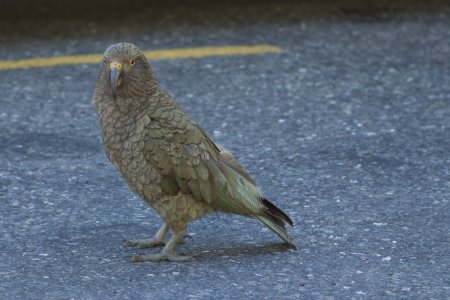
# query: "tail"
[238,194]
[275,218]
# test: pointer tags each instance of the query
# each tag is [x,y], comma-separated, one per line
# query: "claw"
[157,241]
[167,252]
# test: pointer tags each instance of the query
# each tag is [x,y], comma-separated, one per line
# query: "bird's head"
[124,68]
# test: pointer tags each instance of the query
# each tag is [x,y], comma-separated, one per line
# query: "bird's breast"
[124,146]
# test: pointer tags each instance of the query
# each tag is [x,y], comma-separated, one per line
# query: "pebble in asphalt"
[347,129]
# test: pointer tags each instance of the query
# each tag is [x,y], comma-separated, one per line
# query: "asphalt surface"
[347,130]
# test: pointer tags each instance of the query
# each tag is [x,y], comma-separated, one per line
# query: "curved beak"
[116,71]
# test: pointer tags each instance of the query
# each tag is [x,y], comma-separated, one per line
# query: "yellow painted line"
[45,62]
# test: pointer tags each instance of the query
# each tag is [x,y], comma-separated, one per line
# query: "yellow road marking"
[44,62]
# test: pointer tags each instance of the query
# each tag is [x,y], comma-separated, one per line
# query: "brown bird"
[166,158]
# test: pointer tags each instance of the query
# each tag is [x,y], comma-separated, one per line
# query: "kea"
[167,159]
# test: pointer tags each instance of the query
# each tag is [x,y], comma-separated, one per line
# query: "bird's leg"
[156,241]
[167,252]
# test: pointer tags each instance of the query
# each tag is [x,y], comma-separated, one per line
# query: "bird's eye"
[132,62]
[104,61]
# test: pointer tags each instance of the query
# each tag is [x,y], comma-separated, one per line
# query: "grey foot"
[164,255]
[142,244]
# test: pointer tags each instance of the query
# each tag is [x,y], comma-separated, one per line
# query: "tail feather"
[237,193]
[280,230]
[274,218]
[276,212]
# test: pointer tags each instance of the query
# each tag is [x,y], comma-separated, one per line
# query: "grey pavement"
[347,129]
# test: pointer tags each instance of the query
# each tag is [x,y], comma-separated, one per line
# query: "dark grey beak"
[116,71]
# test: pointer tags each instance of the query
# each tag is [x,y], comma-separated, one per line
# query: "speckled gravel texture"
[347,130]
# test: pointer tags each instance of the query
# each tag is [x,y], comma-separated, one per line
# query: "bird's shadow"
[233,251]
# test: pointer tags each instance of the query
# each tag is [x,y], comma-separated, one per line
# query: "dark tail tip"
[292,245]
[277,213]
